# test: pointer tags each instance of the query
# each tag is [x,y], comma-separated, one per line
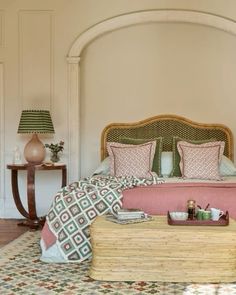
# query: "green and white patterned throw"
[75,207]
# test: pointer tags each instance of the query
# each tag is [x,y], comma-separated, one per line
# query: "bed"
[166,146]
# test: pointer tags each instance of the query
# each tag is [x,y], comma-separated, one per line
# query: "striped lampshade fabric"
[35,121]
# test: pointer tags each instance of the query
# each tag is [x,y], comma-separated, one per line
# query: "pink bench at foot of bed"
[158,199]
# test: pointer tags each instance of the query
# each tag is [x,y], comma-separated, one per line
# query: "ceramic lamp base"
[34,151]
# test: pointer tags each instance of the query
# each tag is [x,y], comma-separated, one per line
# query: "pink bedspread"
[173,197]
[158,199]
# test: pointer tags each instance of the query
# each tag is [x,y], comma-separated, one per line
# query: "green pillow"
[156,166]
[176,157]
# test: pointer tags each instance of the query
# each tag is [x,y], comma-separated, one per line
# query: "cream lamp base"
[34,151]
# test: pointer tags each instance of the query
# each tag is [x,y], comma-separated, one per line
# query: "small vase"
[54,157]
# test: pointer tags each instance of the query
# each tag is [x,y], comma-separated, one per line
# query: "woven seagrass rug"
[21,272]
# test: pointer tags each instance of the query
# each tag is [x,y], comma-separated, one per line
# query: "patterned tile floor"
[21,272]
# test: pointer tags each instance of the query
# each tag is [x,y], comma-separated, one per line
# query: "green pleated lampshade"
[35,121]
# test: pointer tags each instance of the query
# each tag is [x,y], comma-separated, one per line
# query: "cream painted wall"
[141,71]
[183,69]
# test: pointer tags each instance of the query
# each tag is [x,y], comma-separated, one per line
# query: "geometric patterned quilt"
[75,207]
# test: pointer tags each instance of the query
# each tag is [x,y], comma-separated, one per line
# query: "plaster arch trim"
[107,26]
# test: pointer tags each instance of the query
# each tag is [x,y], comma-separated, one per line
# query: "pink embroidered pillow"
[200,160]
[131,160]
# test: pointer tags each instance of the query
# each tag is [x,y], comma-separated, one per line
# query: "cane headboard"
[168,126]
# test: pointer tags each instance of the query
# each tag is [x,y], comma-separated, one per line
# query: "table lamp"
[35,121]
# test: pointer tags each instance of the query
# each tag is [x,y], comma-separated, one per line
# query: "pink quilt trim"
[47,236]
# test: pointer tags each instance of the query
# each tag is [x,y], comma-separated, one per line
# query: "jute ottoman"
[156,251]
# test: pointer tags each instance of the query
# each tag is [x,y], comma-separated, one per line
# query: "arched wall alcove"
[107,26]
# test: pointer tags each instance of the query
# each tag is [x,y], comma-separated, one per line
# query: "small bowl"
[179,215]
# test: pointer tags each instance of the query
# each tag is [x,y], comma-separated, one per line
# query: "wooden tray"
[224,220]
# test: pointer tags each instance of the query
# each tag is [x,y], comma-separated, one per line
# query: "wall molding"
[23,14]
[2,140]
[107,26]
[73,118]
[2,28]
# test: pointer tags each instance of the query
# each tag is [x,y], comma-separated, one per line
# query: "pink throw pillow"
[200,161]
[131,160]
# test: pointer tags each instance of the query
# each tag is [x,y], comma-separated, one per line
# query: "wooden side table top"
[56,166]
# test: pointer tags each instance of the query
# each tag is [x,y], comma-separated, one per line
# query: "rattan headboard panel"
[167,126]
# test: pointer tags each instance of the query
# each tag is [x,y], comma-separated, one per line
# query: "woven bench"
[156,251]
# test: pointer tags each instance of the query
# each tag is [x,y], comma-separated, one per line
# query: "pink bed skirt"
[158,199]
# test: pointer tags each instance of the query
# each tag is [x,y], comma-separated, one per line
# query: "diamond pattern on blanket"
[64,217]
[68,246]
[85,249]
[74,256]
[78,238]
[56,225]
[82,220]
[80,195]
[101,206]
[115,207]
[110,198]
[86,232]
[84,203]
[60,207]
[91,213]
[68,200]
[75,209]
[51,215]
[76,206]
[71,227]
[93,197]
[62,235]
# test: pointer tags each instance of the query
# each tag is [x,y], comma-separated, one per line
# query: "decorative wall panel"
[2,149]
[2,29]
[36,58]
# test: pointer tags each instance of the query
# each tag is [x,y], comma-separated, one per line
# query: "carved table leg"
[33,219]
[16,195]
[64,180]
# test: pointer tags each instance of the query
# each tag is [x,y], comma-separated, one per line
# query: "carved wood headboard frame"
[168,126]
